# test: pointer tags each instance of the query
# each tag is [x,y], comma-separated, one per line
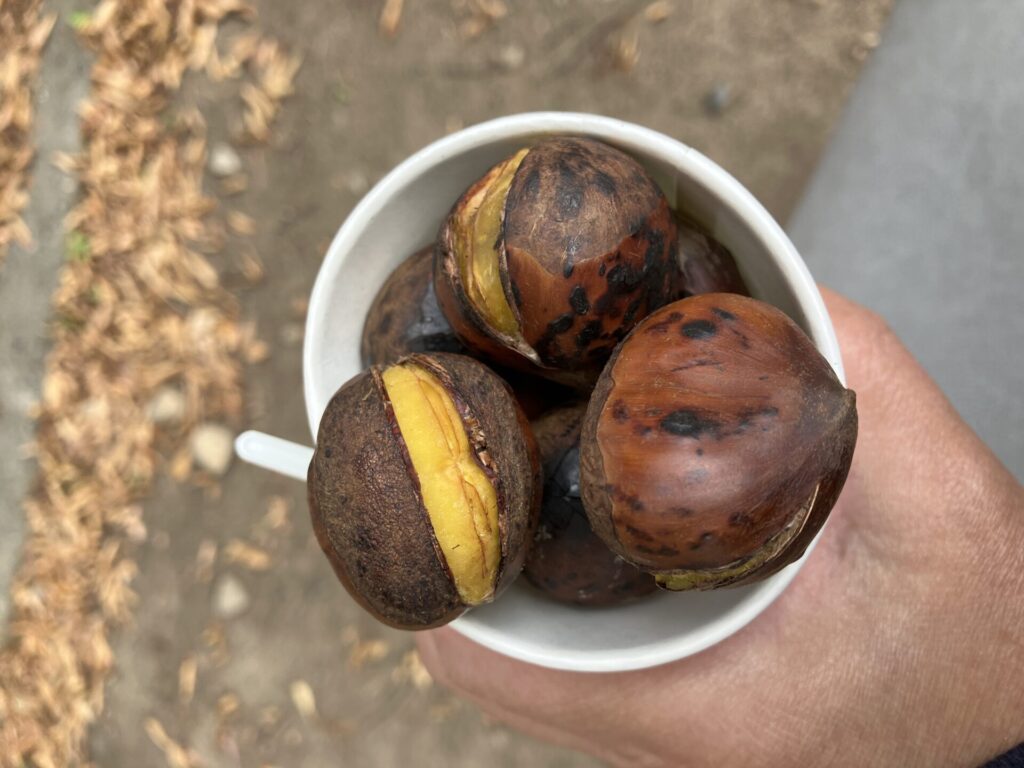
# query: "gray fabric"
[917,209]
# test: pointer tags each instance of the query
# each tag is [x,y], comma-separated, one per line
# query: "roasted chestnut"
[715,444]
[568,561]
[536,396]
[404,317]
[424,488]
[554,255]
[705,265]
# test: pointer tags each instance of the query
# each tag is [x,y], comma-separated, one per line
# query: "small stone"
[356,182]
[230,598]
[303,698]
[511,57]
[718,99]
[167,405]
[212,447]
[292,334]
[224,160]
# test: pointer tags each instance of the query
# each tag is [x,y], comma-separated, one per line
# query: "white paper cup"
[403,212]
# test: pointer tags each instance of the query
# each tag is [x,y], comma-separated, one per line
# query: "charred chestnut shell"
[424,487]
[554,255]
[405,317]
[716,443]
[568,561]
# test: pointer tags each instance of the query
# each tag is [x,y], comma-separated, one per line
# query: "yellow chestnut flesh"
[459,497]
[480,262]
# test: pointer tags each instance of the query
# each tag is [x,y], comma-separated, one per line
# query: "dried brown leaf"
[472,27]
[227,704]
[187,679]
[256,352]
[658,11]
[366,652]
[241,223]
[493,10]
[278,509]
[246,555]
[411,671]
[138,304]
[625,49]
[175,755]
[234,185]
[205,558]
[252,266]
[390,17]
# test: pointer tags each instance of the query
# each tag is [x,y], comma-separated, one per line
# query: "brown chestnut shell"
[587,247]
[716,442]
[705,264]
[365,504]
[535,395]
[405,318]
[568,561]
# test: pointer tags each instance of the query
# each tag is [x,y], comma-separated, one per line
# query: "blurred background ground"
[287,670]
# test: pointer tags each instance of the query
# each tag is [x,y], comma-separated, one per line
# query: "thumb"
[570,709]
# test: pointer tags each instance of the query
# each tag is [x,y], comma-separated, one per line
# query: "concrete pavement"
[915,209]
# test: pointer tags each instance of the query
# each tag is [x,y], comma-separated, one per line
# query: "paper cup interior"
[403,213]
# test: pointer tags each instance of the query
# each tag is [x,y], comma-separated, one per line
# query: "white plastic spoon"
[274,453]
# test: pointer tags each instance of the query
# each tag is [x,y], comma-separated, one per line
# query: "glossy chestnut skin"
[365,503]
[706,266]
[405,317]
[716,443]
[587,247]
[567,561]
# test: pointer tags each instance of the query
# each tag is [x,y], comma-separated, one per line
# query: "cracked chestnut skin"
[705,265]
[587,248]
[567,561]
[365,504]
[405,317]
[716,442]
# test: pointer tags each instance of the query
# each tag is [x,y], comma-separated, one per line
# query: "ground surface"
[780,74]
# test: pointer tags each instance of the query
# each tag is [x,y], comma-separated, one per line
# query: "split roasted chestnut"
[404,317]
[554,255]
[424,487]
[716,443]
[705,265]
[567,560]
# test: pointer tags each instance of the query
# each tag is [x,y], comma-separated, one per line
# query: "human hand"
[899,643]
